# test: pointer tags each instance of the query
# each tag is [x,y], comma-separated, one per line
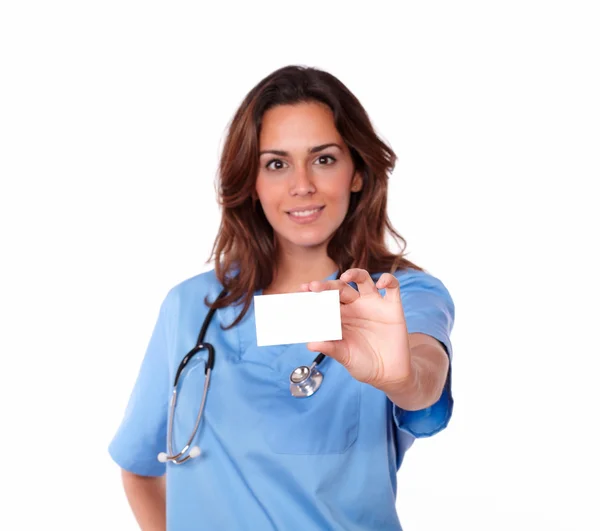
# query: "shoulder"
[193,289]
[413,279]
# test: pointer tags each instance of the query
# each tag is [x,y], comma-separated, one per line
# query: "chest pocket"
[325,423]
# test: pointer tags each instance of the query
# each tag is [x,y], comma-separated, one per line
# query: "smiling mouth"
[305,217]
[305,213]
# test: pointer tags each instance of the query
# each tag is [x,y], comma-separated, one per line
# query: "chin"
[309,241]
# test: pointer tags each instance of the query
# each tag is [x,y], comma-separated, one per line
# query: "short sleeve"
[142,433]
[428,309]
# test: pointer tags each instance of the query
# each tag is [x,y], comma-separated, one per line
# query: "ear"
[357,182]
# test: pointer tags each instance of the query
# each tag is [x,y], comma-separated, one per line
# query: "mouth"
[305,216]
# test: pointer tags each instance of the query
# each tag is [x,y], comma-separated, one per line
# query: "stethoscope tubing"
[210,362]
[176,458]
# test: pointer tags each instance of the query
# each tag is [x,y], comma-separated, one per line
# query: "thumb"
[333,349]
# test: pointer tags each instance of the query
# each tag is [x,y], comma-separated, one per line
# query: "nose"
[301,182]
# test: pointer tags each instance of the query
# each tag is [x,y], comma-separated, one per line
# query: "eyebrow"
[315,149]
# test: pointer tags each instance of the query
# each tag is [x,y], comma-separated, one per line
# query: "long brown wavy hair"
[245,247]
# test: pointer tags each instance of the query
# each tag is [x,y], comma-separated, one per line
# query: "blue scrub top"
[270,461]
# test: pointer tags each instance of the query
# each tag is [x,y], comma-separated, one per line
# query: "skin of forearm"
[147,499]
[424,386]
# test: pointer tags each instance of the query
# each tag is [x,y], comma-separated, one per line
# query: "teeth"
[304,213]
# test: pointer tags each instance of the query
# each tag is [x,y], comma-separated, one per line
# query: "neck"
[296,267]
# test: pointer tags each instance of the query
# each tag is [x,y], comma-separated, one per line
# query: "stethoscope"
[304,382]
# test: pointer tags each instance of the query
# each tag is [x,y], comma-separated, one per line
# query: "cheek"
[338,194]
[262,192]
[269,196]
[339,201]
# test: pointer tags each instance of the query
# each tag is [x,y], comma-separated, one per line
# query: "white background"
[111,119]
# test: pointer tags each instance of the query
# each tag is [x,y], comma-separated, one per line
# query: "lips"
[305,208]
[306,218]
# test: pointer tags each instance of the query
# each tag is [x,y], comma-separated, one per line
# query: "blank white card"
[287,318]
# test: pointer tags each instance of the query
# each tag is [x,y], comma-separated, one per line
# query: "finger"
[391,285]
[333,349]
[362,279]
[347,293]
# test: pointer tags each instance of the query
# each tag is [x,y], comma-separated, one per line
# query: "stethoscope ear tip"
[162,457]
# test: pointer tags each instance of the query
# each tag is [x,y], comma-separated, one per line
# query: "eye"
[326,157]
[278,161]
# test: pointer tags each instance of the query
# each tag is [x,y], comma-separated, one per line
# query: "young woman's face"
[305,175]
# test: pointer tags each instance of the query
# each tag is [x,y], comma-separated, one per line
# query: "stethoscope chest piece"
[305,381]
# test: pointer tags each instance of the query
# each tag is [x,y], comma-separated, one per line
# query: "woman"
[303,187]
